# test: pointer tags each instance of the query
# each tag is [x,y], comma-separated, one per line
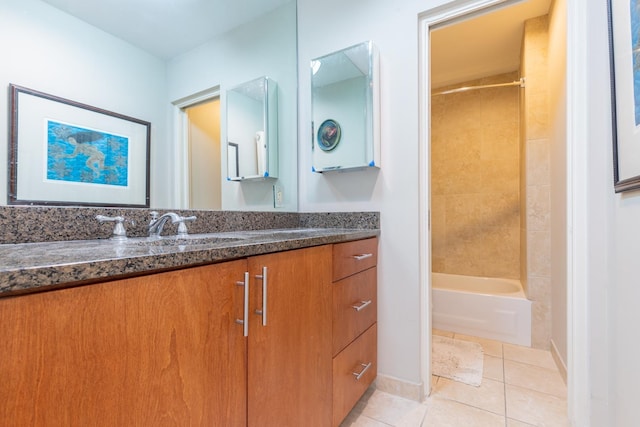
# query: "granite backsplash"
[31,224]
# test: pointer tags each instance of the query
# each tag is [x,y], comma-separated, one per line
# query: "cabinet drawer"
[354,369]
[354,307]
[352,257]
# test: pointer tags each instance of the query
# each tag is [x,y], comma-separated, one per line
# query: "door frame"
[578,383]
[181,147]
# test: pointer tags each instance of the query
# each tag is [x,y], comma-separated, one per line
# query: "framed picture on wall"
[624,41]
[67,153]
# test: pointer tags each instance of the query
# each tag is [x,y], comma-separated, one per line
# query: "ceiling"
[166,28]
[483,45]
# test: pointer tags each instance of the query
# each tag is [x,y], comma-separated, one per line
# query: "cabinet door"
[156,350]
[289,358]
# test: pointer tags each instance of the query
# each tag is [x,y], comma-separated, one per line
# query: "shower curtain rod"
[466,88]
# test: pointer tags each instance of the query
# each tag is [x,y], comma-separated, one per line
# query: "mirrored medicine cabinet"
[345,109]
[252,130]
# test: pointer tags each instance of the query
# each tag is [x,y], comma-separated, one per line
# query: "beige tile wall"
[536,150]
[490,159]
[475,164]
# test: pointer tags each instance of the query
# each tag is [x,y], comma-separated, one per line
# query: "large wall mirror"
[59,47]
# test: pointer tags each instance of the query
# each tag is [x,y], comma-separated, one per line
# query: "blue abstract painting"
[81,155]
[635,45]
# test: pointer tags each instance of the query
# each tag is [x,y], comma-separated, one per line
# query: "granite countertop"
[32,267]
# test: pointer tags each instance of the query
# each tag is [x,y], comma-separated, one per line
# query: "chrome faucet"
[157,223]
[119,233]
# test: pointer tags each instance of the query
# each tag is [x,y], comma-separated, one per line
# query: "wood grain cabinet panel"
[157,350]
[352,257]
[354,369]
[354,307]
[354,323]
[290,361]
[168,349]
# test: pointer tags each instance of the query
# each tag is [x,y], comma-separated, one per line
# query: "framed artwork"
[624,41]
[67,153]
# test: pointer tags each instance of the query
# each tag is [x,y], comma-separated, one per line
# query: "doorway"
[197,164]
[443,17]
[204,154]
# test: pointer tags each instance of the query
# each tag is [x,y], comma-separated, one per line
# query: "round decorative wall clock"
[328,135]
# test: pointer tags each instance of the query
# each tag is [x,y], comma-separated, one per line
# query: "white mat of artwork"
[457,360]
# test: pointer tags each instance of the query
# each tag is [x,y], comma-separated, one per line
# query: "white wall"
[53,52]
[604,235]
[614,291]
[393,190]
[265,47]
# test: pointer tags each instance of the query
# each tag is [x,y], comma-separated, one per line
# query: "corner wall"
[557,77]
[393,190]
[537,189]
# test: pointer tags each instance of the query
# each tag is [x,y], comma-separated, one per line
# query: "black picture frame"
[624,60]
[66,153]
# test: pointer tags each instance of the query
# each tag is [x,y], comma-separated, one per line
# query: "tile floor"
[521,387]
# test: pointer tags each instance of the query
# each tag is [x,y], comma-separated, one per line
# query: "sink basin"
[189,240]
[293,233]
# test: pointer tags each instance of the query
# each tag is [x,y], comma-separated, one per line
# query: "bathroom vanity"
[265,328]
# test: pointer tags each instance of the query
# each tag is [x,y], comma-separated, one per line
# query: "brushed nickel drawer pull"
[362,305]
[245,317]
[365,368]
[263,311]
[362,256]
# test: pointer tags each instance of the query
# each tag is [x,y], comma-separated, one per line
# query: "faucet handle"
[154,217]
[182,227]
[118,231]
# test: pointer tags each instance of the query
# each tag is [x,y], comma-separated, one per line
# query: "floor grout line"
[499,353]
[504,386]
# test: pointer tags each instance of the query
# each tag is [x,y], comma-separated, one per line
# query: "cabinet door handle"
[245,316]
[365,368]
[263,311]
[362,305]
[362,256]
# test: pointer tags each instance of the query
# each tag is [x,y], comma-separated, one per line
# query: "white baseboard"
[402,388]
[562,367]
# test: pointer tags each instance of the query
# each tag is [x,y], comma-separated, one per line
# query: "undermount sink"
[227,237]
[293,233]
[189,240]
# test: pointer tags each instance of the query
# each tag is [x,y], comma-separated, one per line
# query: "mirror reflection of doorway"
[204,154]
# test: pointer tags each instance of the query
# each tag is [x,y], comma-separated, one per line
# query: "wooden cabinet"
[290,368]
[354,324]
[156,350]
[169,348]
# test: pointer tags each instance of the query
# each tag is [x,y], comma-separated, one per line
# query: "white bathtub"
[481,306]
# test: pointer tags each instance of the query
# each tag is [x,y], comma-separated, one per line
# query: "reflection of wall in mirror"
[261,152]
[239,56]
[204,155]
[345,103]
[57,53]
[244,116]
[93,73]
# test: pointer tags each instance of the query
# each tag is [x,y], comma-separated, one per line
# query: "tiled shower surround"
[536,185]
[30,224]
[476,180]
[490,195]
